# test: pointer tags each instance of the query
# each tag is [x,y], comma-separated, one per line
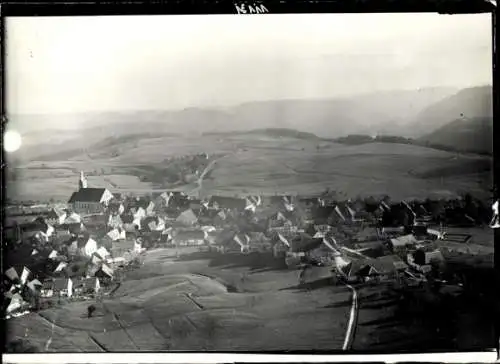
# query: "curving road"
[353,318]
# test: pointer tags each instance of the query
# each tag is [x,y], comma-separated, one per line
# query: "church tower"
[82,183]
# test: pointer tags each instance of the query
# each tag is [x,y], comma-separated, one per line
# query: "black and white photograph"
[272,183]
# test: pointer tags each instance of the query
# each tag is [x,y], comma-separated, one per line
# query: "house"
[240,243]
[153,223]
[138,214]
[227,203]
[115,235]
[162,201]
[116,208]
[391,231]
[63,287]
[367,234]
[259,241]
[280,219]
[171,199]
[102,252]
[47,289]
[422,257]
[16,302]
[402,242]
[372,249]
[115,221]
[187,218]
[281,245]
[398,215]
[53,254]
[34,285]
[25,275]
[385,267]
[220,218]
[56,216]
[29,230]
[309,202]
[73,228]
[90,247]
[219,239]
[317,251]
[90,285]
[323,229]
[189,237]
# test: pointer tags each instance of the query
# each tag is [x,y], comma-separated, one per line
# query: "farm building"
[402,242]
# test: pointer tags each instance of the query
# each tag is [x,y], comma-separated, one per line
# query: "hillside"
[378,112]
[470,103]
[472,135]
[269,132]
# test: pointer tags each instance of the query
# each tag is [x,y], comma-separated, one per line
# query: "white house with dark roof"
[89,200]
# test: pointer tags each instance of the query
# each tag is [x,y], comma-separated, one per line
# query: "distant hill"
[473,135]
[272,132]
[388,112]
[470,103]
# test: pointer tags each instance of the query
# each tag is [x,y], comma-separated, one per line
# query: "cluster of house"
[106,231]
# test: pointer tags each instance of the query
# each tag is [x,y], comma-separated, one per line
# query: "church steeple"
[82,183]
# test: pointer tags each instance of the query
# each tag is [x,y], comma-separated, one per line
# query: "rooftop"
[87,195]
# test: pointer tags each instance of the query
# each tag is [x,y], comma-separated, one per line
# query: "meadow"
[187,303]
[260,164]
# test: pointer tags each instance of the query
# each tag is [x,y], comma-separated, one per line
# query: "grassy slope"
[474,134]
[401,171]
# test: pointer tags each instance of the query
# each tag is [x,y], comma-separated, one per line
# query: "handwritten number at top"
[243,8]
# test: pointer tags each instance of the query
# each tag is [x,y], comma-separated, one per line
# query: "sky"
[80,64]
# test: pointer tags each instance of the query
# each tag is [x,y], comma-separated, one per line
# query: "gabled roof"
[87,195]
[384,264]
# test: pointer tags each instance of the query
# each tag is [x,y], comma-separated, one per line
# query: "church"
[89,200]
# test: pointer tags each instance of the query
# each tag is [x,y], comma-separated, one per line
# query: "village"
[81,251]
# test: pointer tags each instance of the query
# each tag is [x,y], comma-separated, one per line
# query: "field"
[182,299]
[194,303]
[261,164]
